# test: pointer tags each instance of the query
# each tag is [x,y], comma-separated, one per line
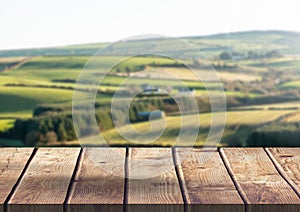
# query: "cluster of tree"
[129,69]
[172,64]
[109,92]
[7,66]
[233,101]
[47,110]
[41,86]
[185,103]
[135,68]
[225,66]
[276,134]
[225,56]
[250,55]
[55,123]
[42,129]
[64,80]
[270,54]
[268,85]
[59,127]
[218,65]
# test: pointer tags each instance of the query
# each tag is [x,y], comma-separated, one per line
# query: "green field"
[6,124]
[234,120]
[20,102]
[259,89]
[293,84]
[294,105]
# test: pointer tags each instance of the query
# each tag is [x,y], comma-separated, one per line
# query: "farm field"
[20,101]
[295,105]
[180,73]
[6,123]
[234,119]
[260,77]
[294,119]
[293,84]
[289,64]
[244,120]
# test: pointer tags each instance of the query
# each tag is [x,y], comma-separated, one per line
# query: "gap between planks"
[13,189]
[77,167]
[257,178]
[204,177]
[292,181]
[47,178]
[182,183]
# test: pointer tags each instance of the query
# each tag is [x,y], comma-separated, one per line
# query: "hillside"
[287,42]
[259,73]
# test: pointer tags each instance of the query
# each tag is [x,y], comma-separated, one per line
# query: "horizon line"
[182,37]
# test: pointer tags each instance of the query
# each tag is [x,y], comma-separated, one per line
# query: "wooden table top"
[67,179]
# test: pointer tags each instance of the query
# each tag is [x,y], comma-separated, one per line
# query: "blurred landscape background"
[259,70]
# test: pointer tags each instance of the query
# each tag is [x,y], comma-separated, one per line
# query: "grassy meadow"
[259,71]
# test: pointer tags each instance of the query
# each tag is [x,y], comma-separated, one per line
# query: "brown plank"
[99,182]
[12,163]
[206,180]
[162,189]
[257,178]
[287,161]
[47,178]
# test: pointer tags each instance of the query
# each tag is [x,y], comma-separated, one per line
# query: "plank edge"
[281,171]
[16,185]
[180,176]
[238,187]
[71,187]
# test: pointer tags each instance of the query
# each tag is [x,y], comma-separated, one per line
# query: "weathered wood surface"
[95,183]
[117,179]
[205,181]
[163,188]
[258,180]
[205,178]
[12,163]
[287,161]
[47,178]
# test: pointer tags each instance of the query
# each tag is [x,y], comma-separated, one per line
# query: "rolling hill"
[260,80]
[287,42]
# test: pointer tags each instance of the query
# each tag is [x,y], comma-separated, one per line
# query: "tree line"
[275,134]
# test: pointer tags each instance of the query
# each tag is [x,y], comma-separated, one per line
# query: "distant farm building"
[187,91]
[152,91]
[156,114]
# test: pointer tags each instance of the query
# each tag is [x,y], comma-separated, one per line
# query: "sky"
[45,23]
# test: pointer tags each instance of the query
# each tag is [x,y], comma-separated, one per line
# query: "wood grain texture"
[267,179]
[257,178]
[47,178]
[95,181]
[163,188]
[287,161]
[12,163]
[205,178]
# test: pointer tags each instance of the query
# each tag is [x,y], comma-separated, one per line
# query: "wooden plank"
[152,179]
[206,181]
[12,163]
[257,179]
[161,189]
[47,178]
[96,184]
[287,161]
